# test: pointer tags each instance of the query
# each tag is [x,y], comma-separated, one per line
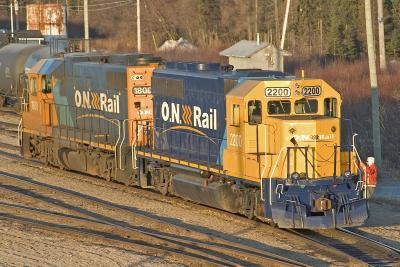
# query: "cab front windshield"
[301,106]
[279,107]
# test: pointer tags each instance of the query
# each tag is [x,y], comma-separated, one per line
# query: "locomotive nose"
[305,137]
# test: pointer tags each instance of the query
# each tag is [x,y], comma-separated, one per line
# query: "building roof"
[29,34]
[244,48]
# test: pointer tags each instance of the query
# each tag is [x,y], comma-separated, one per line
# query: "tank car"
[15,60]
[261,144]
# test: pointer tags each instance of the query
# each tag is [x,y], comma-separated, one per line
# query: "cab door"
[47,103]
[252,134]
[38,113]
[31,115]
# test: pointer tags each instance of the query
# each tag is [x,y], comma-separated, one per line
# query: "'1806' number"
[277,91]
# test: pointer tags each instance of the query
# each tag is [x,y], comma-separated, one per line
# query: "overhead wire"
[122,4]
[101,4]
[91,7]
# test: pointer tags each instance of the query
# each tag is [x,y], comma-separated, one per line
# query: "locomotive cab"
[38,109]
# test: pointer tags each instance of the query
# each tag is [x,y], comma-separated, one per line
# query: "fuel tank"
[15,60]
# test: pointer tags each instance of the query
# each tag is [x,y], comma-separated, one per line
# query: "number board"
[145,90]
[312,90]
[277,92]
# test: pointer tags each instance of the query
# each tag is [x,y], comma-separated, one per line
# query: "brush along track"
[219,250]
[358,248]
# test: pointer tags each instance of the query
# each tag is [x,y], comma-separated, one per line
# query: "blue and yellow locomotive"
[258,143]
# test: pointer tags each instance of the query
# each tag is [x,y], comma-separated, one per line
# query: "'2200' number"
[277,92]
[311,90]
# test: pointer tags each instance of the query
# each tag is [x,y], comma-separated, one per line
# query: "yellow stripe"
[181,162]
[101,135]
[96,116]
[188,128]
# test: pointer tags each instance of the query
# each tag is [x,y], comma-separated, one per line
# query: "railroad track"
[9,111]
[360,250]
[323,248]
[9,128]
[98,230]
[388,257]
[220,251]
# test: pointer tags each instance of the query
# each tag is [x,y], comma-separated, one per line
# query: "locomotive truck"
[262,144]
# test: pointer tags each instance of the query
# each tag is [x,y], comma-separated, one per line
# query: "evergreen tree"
[306,23]
[392,29]
[342,32]
[210,17]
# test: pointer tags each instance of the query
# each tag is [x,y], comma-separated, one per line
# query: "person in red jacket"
[370,176]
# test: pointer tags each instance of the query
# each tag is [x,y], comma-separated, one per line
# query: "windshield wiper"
[284,111]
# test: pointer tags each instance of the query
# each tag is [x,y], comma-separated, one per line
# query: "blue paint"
[293,204]
[63,109]
[49,66]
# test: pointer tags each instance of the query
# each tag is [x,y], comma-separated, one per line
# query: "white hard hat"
[370,161]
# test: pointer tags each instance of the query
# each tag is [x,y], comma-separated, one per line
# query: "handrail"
[20,132]
[122,142]
[133,149]
[265,162]
[270,178]
[359,159]
[116,144]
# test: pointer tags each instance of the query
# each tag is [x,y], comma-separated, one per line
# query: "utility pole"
[276,23]
[16,7]
[376,131]
[321,37]
[12,18]
[382,53]
[285,25]
[139,34]
[86,21]
[256,17]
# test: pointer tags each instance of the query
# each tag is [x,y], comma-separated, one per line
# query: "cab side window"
[46,84]
[235,115]
[32,86]
[330,107]
[254,110]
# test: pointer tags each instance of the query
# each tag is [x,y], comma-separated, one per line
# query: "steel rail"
[322,244]
[225,245]
[10,128]
[9,111]
[370,239]
[355,251]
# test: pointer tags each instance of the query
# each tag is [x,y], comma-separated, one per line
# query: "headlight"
[347,174]
[295,176]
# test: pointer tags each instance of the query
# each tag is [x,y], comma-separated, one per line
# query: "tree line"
[322,27]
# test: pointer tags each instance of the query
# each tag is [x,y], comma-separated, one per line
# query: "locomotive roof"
[215,74]
[46,66]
